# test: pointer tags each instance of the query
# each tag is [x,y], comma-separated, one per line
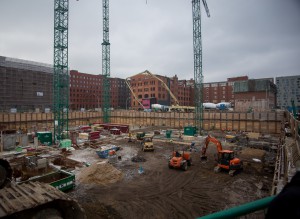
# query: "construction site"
[134,162]
[127,168]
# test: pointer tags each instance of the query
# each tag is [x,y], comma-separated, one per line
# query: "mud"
[160,192]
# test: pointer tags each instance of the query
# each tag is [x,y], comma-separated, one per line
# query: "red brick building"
[255,94]
[147,85]
[216,92]
[86,91]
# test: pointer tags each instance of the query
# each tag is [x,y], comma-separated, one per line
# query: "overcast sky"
[242,37]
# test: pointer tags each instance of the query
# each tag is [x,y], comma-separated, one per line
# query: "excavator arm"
[165,86]
[209,139]
[160,80]
[133,94]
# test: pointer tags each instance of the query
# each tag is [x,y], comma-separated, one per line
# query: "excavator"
[34,199]
[226,159]
[180,160]
[175,107]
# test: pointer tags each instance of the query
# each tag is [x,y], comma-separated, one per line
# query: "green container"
[67,182]
[189,130]
[61,180]
[45,138]
[168,133]
[140,135]
[66,143]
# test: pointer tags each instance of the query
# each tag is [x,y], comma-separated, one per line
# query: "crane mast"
[198,76]
[106,62]
[61,71]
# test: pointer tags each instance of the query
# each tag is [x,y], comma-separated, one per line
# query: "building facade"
[86,91]
[288,89]
[162,90]
[216,92]
[255,95]
[25,85]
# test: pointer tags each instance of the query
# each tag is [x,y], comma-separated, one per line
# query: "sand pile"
[101,173]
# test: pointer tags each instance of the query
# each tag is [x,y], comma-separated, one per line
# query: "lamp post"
[128,98]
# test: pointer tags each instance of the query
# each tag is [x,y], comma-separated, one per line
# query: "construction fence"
[262,122]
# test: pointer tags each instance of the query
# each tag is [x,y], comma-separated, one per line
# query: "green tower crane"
[198,76]
[61,73]
[106,63]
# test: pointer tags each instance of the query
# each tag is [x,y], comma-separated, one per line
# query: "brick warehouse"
[255,94]
[146,86]
[86,91]
[216,92]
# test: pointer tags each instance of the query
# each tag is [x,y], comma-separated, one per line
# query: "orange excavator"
[226,159]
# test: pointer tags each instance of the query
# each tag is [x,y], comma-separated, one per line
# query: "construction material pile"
[101,173]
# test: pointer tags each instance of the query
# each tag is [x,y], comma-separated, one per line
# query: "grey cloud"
[251,38]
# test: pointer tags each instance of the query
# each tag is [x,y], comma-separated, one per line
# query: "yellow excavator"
[226,159]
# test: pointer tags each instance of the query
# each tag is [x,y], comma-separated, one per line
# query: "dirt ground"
[160,192]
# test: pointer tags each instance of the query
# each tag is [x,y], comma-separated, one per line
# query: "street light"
[128,98]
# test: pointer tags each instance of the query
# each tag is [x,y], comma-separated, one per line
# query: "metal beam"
[61,71]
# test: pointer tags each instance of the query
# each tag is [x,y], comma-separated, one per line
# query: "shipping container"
[190,130]
[45,138]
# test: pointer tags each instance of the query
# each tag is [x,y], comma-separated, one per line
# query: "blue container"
[103,154]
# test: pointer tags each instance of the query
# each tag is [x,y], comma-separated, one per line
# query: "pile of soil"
[101,173]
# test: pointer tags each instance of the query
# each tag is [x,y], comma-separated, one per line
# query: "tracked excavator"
[226,159]
[34,199]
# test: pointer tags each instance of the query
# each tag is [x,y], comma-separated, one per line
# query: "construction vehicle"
[147,143]
[146,72]
[180,160]
[34,199]
[133,94]
[226,159]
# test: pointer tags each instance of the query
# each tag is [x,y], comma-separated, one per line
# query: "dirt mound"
[101,173]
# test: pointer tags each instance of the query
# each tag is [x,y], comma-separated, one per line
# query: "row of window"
[221,84]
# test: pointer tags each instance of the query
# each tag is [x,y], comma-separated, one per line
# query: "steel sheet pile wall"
[266,122]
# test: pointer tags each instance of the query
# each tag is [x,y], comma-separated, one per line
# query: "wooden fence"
[262,122]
